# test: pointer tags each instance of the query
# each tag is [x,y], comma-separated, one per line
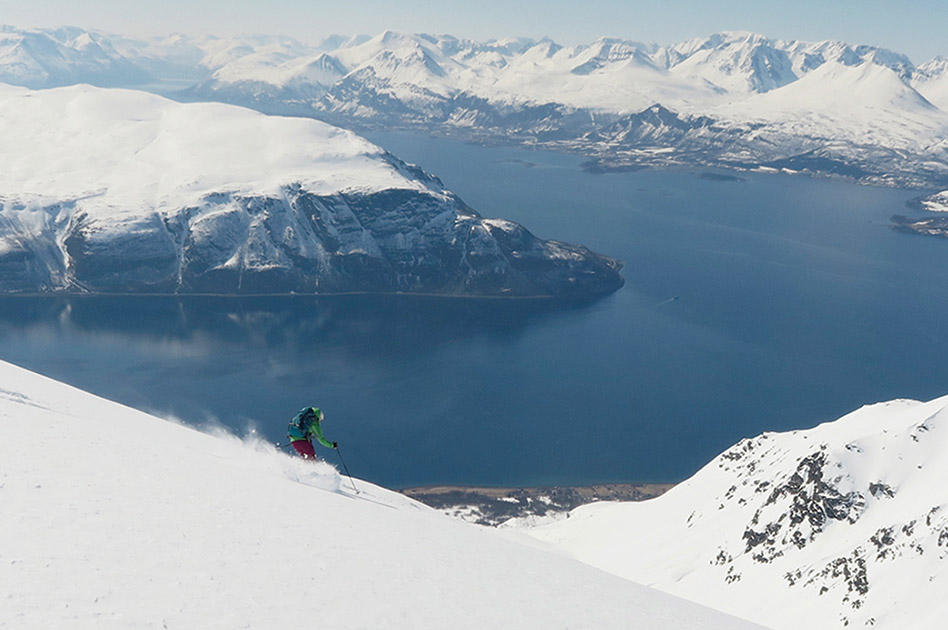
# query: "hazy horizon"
[914,28]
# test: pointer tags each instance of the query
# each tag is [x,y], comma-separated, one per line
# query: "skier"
[306,425]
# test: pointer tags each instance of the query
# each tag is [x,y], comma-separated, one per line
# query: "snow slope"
[862,104]
[115,519]
[931,80]
[843,525]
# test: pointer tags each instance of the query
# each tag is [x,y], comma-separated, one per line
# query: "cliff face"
[386,241]
[208,198]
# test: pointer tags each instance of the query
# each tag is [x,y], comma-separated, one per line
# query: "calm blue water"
[769,304]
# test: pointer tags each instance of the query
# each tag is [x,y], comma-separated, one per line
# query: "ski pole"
[346,468]
[280,445]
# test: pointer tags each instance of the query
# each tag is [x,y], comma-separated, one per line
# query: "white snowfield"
[843,525]
[111,518]
[136,152]
[846,102]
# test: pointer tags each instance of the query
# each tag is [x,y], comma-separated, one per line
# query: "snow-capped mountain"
[116,519]
[856,119]
[118,191]
[842,525]
[65,56]
[931,80]
[741,63]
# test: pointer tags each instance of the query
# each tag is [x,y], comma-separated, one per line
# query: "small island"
[930,225]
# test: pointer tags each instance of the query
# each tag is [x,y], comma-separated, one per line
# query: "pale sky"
[917,28]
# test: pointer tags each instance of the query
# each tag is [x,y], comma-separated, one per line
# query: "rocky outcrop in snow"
[843,525]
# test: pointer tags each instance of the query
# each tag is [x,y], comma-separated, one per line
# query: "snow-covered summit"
[742,63]
[843,525]
[115,519]
[122,151]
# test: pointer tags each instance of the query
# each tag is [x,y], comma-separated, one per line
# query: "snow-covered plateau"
[110,190]
[112,518]
[732,99]
[842,525]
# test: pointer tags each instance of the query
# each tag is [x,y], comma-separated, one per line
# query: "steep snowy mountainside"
[741,63]
[807,56]
[123,191]
[116,519]
[842,525]
[858,103]
[320,70]
[607,76]
[931,79]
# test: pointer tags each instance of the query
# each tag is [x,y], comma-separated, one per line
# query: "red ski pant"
[305,449]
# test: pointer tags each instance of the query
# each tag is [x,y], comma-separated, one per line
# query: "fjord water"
[772,303]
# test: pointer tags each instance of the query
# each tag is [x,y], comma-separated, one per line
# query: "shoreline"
[492,506]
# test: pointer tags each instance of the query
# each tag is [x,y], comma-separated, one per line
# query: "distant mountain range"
[732,99]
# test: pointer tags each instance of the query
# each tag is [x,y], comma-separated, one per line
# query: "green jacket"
[306,425]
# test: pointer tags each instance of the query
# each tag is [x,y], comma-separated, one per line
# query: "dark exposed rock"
[808,502]
[881,490]
[387,241]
